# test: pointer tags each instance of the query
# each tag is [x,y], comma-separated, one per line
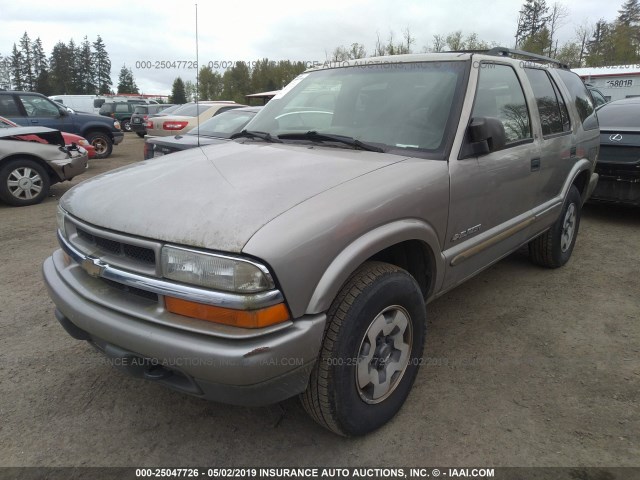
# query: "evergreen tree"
[39,58]
[178,93]
[17,82]
[60,78]
[629,14]
[5,72]
[209,84]
[126,82]
[74,68]
[532,20]
[101,67]
[86,74]
[27,71]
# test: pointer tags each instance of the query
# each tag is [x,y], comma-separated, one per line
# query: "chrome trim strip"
[458,259]
[95,267]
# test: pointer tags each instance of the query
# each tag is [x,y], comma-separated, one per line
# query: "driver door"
[493,194]
[42,112]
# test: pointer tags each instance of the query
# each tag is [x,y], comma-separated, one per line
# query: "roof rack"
[508,52]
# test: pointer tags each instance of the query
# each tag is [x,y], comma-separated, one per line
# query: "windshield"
[191,109]
[402,107]
[224,124]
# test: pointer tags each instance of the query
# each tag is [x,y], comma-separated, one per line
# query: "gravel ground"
[527,367]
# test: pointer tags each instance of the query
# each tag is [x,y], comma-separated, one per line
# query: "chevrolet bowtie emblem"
[93,266]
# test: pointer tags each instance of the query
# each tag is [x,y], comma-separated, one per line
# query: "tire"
[126,124]
[101,142]
[341,395]
[23,182]
[141,134]
[553,248]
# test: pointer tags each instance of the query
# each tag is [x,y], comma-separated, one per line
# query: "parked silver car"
[32,159]
[300,258]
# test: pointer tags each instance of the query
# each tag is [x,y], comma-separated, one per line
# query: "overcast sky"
[278,30]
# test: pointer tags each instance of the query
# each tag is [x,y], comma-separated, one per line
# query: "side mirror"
[484,135]
[63,112]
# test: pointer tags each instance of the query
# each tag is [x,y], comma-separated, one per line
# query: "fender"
[584,164]
[368,245]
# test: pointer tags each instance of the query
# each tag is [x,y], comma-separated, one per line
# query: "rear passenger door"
[557,149]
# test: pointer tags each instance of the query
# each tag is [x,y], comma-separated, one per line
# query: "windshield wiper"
[255,134]
[329,137]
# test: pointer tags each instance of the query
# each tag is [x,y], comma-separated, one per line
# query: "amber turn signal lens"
[226,316]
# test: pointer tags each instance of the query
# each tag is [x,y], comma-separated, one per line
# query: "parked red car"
[69,138]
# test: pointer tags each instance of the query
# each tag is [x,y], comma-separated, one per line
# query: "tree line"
[241,79]
[593,45]
[85,68]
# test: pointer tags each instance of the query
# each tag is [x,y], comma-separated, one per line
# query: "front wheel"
[101,142]
[141,134]
[553,248]
[23,182]
[126,125]
[370,353]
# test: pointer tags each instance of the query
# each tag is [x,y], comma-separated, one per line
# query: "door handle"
[35,121]
[535,164]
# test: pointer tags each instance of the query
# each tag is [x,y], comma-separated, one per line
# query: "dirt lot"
[526,367]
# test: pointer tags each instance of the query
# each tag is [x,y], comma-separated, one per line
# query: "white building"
[615,82]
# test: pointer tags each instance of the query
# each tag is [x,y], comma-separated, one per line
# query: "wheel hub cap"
[384,353]
[568,228]
[24,183]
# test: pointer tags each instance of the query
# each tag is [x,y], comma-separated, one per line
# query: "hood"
[49,135]
[215,197]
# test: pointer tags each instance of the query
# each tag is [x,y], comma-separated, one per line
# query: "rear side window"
[580,98]
[551,107]
[500,96]
[8,106]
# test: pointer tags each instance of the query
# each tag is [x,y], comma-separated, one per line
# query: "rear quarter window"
[580,97]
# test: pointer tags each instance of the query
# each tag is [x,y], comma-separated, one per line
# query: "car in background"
[121,111]
[187,117]
[35,110]
[619,161]
[217,129]
[28,168]
[141,114]
[69,138]
[598,96]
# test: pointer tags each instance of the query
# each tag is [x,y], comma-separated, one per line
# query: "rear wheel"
[553,248]
[101,142]
[370,353]
[23,182]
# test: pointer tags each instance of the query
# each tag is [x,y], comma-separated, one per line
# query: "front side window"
[551,107]
[499,95]
[39,106]
[402,108]
[122,108]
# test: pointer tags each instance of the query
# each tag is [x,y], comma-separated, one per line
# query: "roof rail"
[508,52]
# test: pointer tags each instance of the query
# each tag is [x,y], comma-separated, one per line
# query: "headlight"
[60,216]
[214,271]
[116,124]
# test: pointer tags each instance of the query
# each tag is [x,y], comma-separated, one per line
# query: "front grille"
[132,290]
[622,155]
[134,252]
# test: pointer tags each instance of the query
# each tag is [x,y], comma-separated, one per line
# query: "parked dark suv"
[141,114]
[121,111]
[32,109]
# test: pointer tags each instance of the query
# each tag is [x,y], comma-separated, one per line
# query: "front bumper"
[70,167]
[118,137]
[619,183]
[256,370]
